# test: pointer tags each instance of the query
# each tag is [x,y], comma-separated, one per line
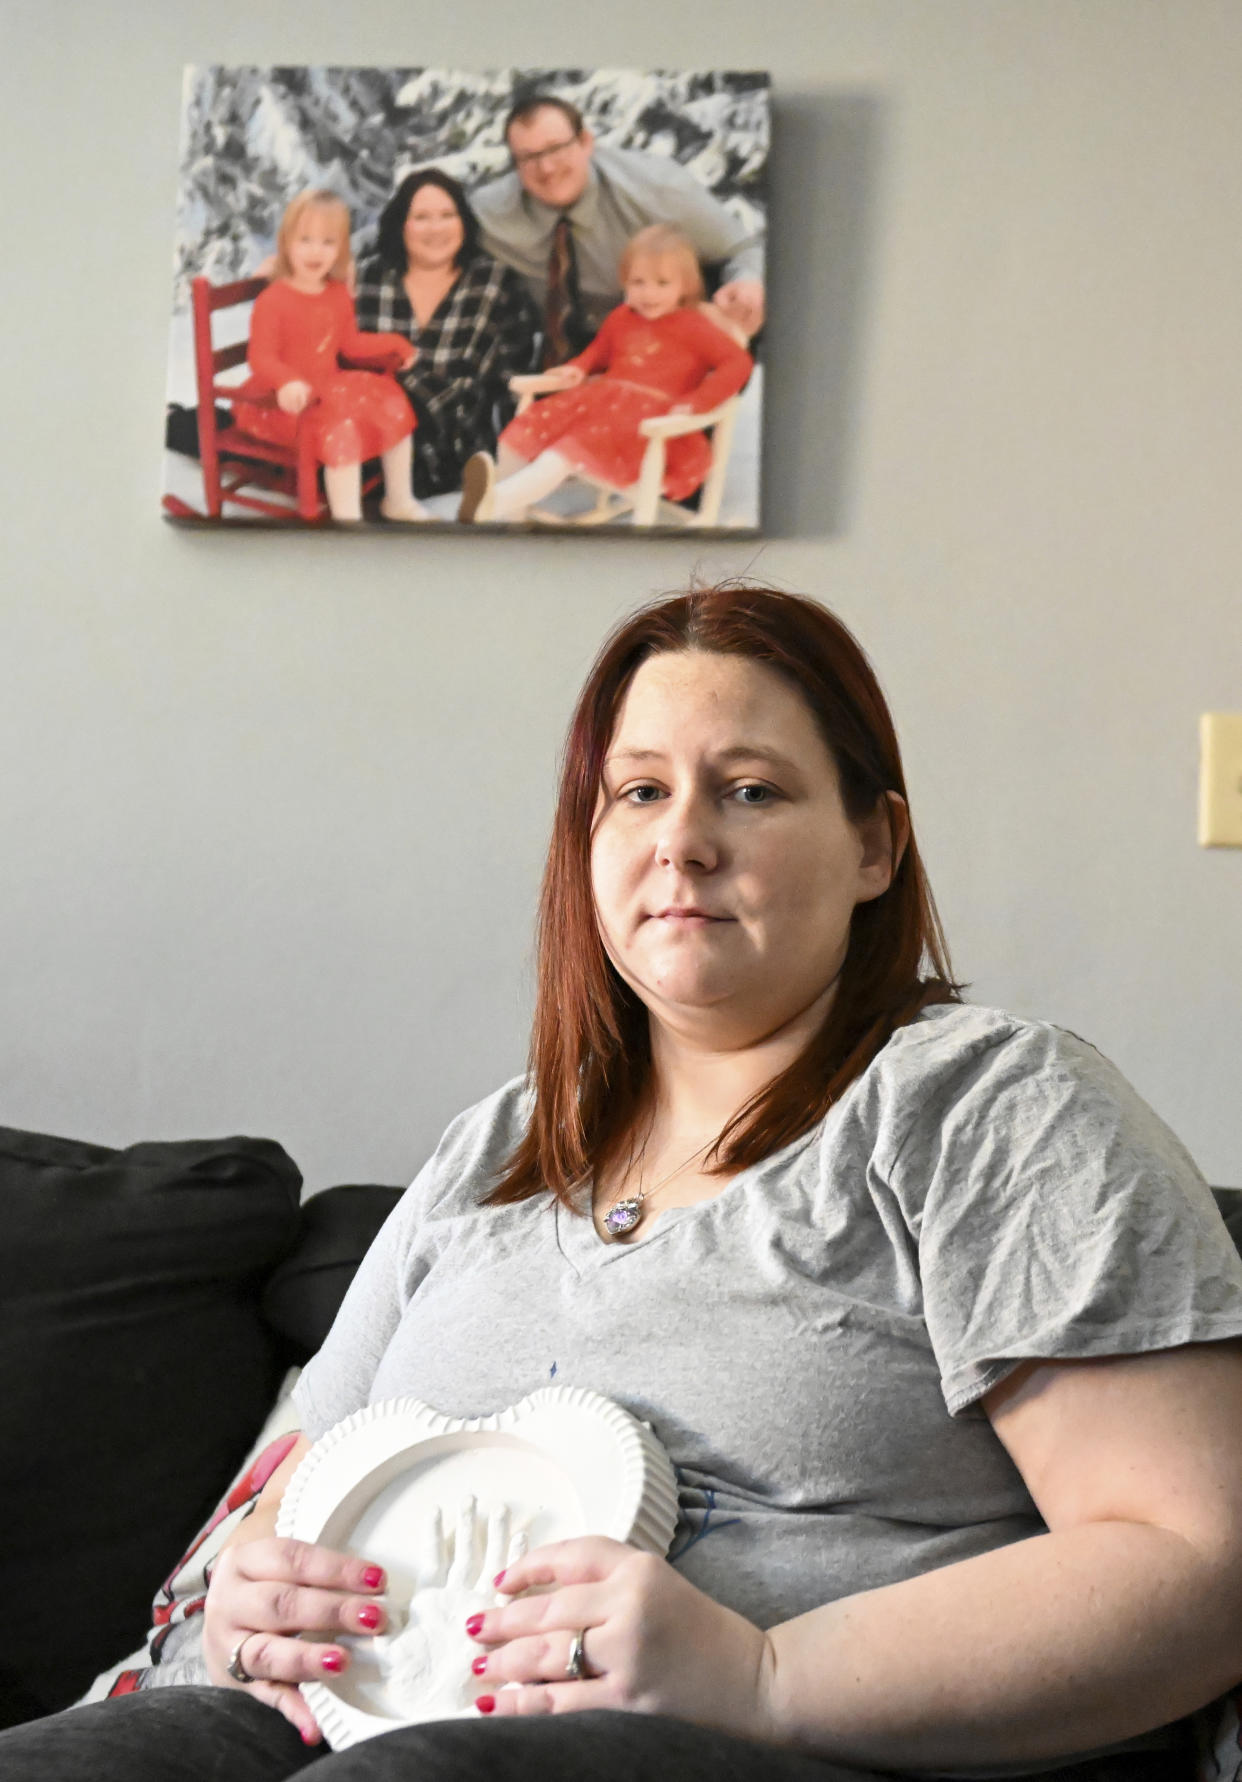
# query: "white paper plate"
[443,1504]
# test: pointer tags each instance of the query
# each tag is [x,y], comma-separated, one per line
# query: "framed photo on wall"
[412,298]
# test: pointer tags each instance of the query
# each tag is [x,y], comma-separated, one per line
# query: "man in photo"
[563,216]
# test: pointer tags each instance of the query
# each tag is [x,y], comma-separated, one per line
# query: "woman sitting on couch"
[936,1319]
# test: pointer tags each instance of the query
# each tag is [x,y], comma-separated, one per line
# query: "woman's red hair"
[590,1051]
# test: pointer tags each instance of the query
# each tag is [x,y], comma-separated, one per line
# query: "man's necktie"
[563,332]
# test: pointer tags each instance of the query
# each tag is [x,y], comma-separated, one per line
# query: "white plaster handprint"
[425,1664]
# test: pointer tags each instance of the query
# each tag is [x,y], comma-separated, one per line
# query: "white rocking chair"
[644,501]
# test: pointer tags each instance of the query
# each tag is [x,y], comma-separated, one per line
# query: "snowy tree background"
[254,137]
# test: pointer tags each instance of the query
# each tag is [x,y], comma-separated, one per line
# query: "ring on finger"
[577,1668]
[235,1667]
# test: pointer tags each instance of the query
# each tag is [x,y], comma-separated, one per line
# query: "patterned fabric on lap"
[183,1593]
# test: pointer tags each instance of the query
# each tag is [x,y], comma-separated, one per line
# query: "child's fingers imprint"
[462,1569]
[433,1556]
[497,1542]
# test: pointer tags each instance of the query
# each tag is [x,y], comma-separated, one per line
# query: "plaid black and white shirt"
[483,333]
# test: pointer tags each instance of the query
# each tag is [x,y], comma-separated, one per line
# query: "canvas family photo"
[416,297]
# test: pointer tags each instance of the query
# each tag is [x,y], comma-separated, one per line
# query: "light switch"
[1220,780]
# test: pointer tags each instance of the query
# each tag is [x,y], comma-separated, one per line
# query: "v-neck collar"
[582,1246]
[585,1250]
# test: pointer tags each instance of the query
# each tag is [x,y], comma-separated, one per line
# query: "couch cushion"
[134,1371]
[1229,1200]
[301,1299]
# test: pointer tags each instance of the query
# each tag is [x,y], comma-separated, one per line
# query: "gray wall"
[273,808]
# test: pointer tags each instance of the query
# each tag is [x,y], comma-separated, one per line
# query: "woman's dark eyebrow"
[737,752]
[757,752]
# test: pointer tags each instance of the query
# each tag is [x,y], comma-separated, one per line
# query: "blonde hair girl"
[302,326]
[657,353]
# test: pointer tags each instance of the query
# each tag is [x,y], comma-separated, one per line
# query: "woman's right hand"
[263,1595]
[294,396]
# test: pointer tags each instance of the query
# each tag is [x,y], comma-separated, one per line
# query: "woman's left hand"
[411,353]
[652,1644]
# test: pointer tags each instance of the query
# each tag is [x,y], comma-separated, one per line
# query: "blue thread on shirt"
[705,1528]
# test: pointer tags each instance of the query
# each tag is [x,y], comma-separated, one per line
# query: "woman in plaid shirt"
[470,320]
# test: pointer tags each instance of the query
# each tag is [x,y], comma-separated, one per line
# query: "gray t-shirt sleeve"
[337,1380]
[1056,1217]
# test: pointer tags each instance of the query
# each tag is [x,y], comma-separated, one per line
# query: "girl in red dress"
[300,326]
[657,353]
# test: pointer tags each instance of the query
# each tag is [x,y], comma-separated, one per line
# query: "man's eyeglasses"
[532,157]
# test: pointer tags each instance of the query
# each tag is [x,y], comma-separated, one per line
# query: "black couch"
[151,1300]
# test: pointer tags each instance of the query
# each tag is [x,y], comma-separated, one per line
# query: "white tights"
[343,486]
[518,490]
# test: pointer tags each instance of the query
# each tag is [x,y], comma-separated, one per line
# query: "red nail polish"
[485,1703]
[373,1577]
[332,1661]
[498,1580]
[370,1615]
[479,1665]
[473,1625]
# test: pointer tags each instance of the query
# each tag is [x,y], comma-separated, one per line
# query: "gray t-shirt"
[812,1343]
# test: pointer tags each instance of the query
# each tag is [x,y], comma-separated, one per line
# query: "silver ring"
[576,1668]
[235,1668]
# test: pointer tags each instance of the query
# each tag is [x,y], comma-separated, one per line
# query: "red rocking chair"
[233,460]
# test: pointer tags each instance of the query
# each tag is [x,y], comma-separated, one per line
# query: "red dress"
[647,367]
[294,334]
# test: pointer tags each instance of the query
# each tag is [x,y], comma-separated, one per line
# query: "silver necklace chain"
[626,1212]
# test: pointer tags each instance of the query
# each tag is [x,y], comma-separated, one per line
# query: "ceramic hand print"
[425,1663]
[445,1503]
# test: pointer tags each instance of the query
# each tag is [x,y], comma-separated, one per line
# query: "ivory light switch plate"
[1220,780]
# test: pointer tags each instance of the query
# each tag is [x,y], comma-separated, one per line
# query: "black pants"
[223,1735]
